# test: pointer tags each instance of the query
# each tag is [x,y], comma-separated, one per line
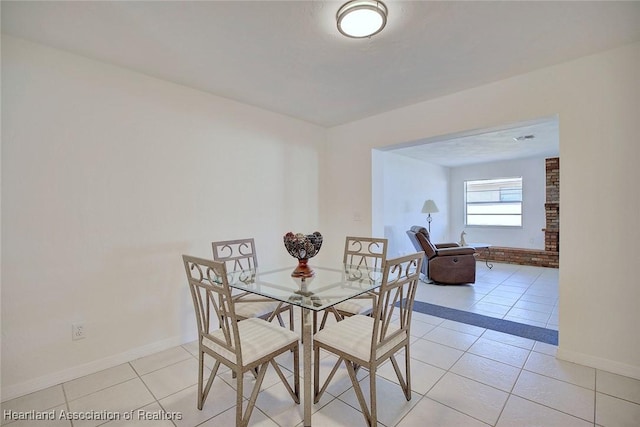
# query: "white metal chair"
[246,346]
[368,341]
[240,255]
[367,252]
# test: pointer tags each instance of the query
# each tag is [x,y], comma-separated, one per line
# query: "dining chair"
[240,255]
[368,341]
[243,346]
[360,253]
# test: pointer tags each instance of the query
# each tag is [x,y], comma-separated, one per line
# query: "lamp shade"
[361,18]
[429,207]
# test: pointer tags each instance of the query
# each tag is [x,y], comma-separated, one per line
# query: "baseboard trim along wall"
[599,363]
[36,384]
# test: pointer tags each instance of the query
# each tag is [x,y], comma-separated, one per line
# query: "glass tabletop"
[328,286]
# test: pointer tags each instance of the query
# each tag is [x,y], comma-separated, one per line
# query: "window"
[494,202]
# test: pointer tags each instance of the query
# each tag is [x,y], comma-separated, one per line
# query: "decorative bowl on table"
[303,247]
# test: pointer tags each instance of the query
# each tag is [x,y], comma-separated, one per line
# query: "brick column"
[552,206]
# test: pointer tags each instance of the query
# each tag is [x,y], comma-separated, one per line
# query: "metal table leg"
[307,349]
[486,260]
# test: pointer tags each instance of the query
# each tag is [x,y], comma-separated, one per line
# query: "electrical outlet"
[77,331]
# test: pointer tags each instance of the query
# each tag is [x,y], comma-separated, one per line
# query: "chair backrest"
[365,251]
[421,236]
[395,300]
[236,254]
[213,303]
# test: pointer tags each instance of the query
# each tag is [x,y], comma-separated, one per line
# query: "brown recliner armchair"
[448,263]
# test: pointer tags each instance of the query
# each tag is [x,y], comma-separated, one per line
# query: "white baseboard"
[35,384]
[599,363]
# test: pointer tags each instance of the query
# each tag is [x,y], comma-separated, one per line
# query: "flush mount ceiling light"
[361,18]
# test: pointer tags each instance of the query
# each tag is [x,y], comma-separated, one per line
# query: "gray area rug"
[536,333]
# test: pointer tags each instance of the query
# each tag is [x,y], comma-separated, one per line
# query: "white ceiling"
[490,145]
[289,58]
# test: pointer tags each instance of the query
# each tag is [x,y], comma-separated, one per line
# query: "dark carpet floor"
[536,333]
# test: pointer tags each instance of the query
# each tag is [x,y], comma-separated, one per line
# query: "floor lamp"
[429,207]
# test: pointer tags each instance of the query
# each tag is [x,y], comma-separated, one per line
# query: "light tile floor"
[518,293]
[462,375]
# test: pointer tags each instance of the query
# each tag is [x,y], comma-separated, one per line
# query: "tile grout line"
[66,401]
[595,397]
[510,393]
[453,373]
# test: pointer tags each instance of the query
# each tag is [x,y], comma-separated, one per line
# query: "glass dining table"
[326,288]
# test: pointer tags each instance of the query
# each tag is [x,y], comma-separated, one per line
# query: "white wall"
[530,235]
[406,183]
[597,99]
[108,177]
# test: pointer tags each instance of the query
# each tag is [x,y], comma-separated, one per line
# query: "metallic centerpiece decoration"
[303,247]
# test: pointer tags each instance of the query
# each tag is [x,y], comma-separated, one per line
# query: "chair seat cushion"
[355,306]
[245,308]
[353,336]
[258,338]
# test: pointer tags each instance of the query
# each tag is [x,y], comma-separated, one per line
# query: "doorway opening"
[405,175]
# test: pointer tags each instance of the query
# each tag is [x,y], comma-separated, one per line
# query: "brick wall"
[535,257]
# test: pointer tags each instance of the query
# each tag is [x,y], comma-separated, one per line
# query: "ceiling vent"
[524,138]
